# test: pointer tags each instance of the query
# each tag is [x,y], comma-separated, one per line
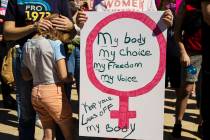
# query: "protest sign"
[128,5]
[122,75]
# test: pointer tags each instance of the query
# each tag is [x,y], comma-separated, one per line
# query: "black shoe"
[176,133]
[10,103]
[200,131]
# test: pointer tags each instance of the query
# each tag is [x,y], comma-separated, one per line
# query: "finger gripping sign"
[124,58]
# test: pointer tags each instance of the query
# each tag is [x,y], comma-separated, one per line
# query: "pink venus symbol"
[124,114]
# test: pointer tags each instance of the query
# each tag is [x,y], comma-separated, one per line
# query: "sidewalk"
[8,120]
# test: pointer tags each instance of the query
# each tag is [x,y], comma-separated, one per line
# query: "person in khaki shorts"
[188,37]
[44,60]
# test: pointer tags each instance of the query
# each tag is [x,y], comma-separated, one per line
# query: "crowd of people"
[44,37]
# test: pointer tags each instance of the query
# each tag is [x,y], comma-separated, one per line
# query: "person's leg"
[184,93]
[198,92]
[182,98]
[55,102]
[68,88]
[58,133]
[48,134]
[66,128]
[76,107]
[64,119]
[74,62]
[26,113]
[48,123]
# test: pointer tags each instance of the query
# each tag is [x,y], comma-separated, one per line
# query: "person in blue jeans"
[26,114]
[73,65]
[21,21]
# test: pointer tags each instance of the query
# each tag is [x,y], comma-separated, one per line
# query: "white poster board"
[128,5]
[122,75]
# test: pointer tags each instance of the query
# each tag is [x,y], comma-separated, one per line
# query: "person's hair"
[55,34]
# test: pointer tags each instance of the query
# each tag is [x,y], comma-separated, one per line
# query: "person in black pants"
[8,101]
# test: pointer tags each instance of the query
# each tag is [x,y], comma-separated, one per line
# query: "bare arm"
[26,74]
[206,11]
[184,58]
[168,17]
[178,32]
[63,23]
[81,18]
[62,71]
[11,32]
